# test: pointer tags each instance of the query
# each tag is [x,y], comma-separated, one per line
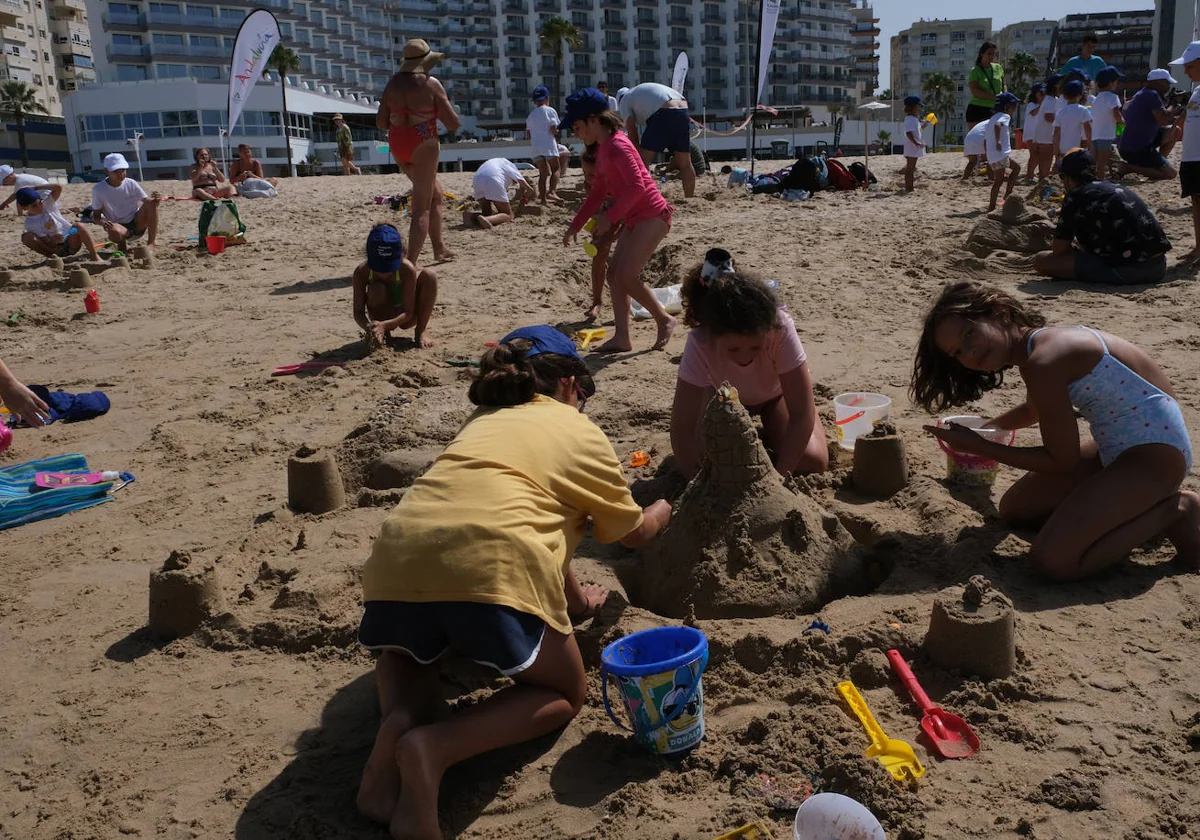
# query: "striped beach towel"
[20,503]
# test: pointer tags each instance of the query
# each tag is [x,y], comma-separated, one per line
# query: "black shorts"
[490,634]
[1189,178]
[978,114]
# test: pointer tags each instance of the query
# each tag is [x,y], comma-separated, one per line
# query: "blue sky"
[895,15]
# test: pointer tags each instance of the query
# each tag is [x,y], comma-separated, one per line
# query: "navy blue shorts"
[500,637]
[1150,158]
[668,130]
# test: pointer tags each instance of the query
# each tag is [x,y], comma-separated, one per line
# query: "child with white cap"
[9,177]
[121,206]
[1189,169]
[47,231]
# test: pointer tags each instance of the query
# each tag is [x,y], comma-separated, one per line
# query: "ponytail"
[508,376]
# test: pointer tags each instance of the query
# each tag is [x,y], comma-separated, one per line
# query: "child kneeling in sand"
[47,230]
[390,293]
[490,186]
[476,559]
[1096,500]
[741,335]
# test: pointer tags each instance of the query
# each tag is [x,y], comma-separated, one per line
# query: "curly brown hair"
[508,376]
[738,303]
[939,381]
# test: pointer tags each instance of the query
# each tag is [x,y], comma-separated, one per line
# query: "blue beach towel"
[20,503]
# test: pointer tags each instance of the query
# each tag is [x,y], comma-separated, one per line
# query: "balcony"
[516,27]
[646,43]
[483,92]
[583,66]
[580,5]
[516,7]
[645,18]
[69,6]
[420,27]
[551,6]
[648,63]
[121,19]
[614,44]
[716,39]
[612,4]
[613,21]
[136,51]
[619,65]
[482,30]
[781,78]
[517,48]
[12,12]
[517,68]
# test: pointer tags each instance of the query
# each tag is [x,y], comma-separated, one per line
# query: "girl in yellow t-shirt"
[476,559]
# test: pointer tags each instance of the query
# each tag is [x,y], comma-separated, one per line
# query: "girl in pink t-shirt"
[741,335]
[637,207]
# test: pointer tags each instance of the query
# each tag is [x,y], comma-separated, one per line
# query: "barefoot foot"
[444,255]
[416,814]
[665,328]
[379,790]
[423,340]
[1184,533]
[483,222]
[614,345]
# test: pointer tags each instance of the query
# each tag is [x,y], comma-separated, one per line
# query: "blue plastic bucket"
[659,674]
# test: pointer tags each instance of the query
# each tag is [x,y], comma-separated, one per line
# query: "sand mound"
[741,544]
[1012,228]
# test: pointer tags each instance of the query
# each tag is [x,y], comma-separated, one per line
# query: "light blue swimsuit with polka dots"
[1123,409]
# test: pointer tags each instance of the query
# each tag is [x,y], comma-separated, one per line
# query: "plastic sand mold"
[639,459]
[754,831]
[779,793]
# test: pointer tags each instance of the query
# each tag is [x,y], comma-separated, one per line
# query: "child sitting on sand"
[392,292]
[476,560]
[47,230]
[914,147]
[999,147]
[121,206]
[1098,500]
[741,335]
[637,206]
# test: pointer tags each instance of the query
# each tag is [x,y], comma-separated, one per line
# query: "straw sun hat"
[418,57]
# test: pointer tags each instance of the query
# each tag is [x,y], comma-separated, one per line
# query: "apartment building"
[1126,42]
[865,37]
[1033,37]
[47,45]
[939,46]
[1174,23]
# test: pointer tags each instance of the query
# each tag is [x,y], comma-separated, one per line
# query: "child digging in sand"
[47,231]
[1095,501]
[637,206]
[741,335]
[390,293]
[999,148]
[490,186]
[476,560]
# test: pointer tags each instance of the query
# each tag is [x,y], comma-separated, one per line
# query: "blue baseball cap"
[1037,87]
[1108,75]
[385,249]
[1073,88]
[541,92]
[545,339]
[27,196]
[1004,100]
[582,104]
[910,101]
[1053,80]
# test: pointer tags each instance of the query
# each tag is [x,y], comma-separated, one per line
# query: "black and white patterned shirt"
[1112,222]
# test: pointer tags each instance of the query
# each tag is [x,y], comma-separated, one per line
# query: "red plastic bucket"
[216,244]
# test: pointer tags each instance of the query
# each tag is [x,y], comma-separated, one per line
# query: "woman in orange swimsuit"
[409,110]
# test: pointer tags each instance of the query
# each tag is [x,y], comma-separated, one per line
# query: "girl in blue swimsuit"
[1100,499]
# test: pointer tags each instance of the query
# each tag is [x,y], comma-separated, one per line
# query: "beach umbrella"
[867,108]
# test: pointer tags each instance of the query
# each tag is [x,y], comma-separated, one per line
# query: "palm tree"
[886,95]
[1022,69]
[554,34]
[940,89]
[19,99]
[885,141]
[284,60]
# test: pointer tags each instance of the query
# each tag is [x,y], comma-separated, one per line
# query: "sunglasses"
[581,396]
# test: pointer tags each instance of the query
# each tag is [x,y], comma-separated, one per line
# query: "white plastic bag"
[223,222]
[668,296]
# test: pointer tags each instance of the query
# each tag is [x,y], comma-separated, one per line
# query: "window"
[577,19]
[980,35]
[211,122]
[102,127]
[209,41]
[45,55]
[167,9]
[180,123]
[318,41]
[321,67]
[928,50]
[131,73]
[928,64]
[647,58]
[121,38]
[929,38]
[958,36]
[300,9]
[147,122]
[202,14]
[37,80]
[120,8]
[164,39]
[41,32]
[171,71]
[205,71]
[958,50]
[232,17]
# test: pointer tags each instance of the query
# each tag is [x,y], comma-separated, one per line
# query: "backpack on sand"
[839,176]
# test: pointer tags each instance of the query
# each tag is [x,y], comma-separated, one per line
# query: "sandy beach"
[257,726]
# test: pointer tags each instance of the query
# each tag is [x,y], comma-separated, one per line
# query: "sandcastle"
[740,543]
[1012,228]
[182,596]
[973,628]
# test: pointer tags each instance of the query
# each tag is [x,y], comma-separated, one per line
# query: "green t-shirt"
[991,80]
[344,140]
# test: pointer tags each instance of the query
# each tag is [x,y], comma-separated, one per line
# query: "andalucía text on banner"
[766,40]
[256,40]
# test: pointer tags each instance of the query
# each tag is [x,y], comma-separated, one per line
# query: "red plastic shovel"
[949,734]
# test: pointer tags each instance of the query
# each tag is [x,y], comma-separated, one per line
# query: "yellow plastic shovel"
[895,755]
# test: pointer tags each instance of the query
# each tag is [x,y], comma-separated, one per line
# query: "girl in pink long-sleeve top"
[637,206]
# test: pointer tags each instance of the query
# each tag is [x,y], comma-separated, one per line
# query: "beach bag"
[839,176]
[803,175]
[766,184]
[220,218]
[859,170]
[256,188]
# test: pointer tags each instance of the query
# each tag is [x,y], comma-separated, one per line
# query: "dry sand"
[257,726]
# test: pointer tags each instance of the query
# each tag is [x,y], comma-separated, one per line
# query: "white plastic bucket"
[855,415]
[962,468]
[831,816]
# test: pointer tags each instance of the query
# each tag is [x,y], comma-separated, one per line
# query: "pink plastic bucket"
[963,468]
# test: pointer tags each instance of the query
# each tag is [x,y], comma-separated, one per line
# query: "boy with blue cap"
[999,147]
[390,293]
[1189,169]
[542,126]
[914,147]
[475,562]
[47,231]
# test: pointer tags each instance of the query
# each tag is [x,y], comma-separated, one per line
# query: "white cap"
[621,93]
[1160,75]
[114,162]
[5,171]
[1190,53]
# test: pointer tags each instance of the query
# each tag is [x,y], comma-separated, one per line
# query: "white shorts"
[545,150]
[998,165]
[489,188]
